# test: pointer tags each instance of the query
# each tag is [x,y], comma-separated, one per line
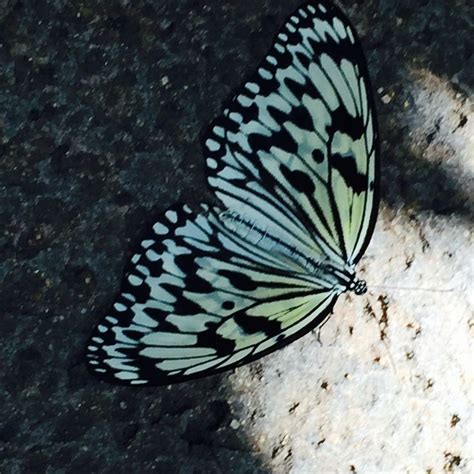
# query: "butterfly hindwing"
[199,298]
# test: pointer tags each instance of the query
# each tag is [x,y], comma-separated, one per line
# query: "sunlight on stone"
[445,115]
[390,387]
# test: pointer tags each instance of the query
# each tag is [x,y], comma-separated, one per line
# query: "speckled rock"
[101,109]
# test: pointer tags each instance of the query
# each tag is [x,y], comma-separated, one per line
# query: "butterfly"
[294,161]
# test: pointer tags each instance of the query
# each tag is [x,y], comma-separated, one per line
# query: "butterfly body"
[294,160]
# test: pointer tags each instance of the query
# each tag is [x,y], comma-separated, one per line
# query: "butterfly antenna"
[412,288]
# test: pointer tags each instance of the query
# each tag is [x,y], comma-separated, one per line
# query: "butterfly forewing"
[293,158]
[296,148]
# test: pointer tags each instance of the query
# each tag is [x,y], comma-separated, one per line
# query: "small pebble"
[234,424]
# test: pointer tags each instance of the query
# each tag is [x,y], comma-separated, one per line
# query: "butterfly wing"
[199,298]
[294,160]
[296,148]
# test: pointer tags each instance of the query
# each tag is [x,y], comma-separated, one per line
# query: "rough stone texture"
[101,108]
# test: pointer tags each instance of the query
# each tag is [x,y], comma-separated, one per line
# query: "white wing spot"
[129,296]
[99,340]
[93,348]
[264,73]
[143,270]
[283,37]
[212,163]
[279,47]
[252,87]
[147,243]
[102,328]
[135,258]
[295,20]
[120,307]
[212,144]
[126,375]
[134,280]
[350,34]
[272,60]
[172,216]
[244,100]
[312,9]
[339,28]
[219,131]
[152,256]
[323,8]
[236,117]
[112,320]
[160,229]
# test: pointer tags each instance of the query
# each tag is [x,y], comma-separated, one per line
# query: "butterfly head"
[359,287]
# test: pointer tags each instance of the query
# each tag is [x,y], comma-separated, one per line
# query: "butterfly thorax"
[343,279]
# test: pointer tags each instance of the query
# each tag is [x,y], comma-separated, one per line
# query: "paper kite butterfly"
[294,161]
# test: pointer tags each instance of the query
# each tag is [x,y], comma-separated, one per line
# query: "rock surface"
[101,108]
